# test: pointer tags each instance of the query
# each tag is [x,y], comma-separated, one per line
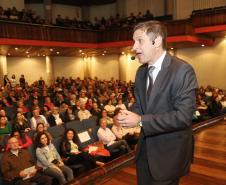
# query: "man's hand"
[22,174]
[128,119]
[33,173]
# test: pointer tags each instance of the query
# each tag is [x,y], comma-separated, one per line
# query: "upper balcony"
[200,29]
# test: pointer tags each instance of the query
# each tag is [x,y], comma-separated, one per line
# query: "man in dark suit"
[165,102]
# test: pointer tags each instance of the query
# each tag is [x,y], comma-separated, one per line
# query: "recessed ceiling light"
[172,48]
[27,52]
[105,51]
[80,51]
[83,53]
[8,54]
[50,49]
[43,55]
[123,53]
[16,48]
[103,54]
[203,45]
[57,52]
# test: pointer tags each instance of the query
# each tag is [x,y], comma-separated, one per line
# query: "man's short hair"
[153,28]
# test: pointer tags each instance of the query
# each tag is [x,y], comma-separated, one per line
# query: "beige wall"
[135,6]
[208,62]
[65,10]
[68,66]
[102,11]
[106,67]
[32,68]
[183,8]
[37,8]
[19,4]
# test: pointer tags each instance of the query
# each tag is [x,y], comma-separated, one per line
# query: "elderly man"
[18,168]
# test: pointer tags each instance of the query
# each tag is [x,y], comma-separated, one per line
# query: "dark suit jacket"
[166,118]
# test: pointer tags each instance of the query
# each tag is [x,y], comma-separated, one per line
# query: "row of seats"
[89,126]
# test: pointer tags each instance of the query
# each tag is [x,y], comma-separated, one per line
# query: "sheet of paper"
[93,149]
[84,136]
[29,171]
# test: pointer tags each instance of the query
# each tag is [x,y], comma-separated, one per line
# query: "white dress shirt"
[158,66]
[106,136]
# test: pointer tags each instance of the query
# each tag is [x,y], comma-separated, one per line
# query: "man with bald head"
[15,161]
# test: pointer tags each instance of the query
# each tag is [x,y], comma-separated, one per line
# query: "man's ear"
[157,42]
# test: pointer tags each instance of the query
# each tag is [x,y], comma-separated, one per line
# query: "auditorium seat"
[56,131]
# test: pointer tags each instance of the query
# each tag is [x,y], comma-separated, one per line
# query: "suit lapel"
[157,87]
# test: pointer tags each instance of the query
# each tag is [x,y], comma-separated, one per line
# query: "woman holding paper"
[72,153]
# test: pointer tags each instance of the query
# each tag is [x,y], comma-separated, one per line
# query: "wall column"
[186,6]
[48,11]
[49,70]
[3,67]
[85,13]
[121,7]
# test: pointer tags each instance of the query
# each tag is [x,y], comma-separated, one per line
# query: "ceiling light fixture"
[50,49]
[16,48]
[57,52]
[203,45]
[80,51]
[123,53]
[172,48]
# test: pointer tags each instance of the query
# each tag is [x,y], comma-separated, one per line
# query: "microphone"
[132,57]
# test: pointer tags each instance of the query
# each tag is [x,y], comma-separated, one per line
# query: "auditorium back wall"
[209,64]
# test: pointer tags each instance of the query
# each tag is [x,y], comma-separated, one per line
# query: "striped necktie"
[150,84]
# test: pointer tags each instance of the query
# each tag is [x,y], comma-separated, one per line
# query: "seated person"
[41,128]
[108,119]
[72,153]
[49,159]
[110,108]
[14,164]
[121,105]
[37,118]
[55,118]
[5,127]
[21,123]
[95,111]
[69,115]
[129,134]
[83,113]
[23,139]
[109,140]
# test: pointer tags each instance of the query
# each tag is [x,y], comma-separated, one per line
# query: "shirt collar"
[158,63]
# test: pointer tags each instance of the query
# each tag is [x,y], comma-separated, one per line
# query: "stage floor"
[209,167]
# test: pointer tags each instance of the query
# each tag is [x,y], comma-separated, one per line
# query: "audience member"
[14,164]
[49,159]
